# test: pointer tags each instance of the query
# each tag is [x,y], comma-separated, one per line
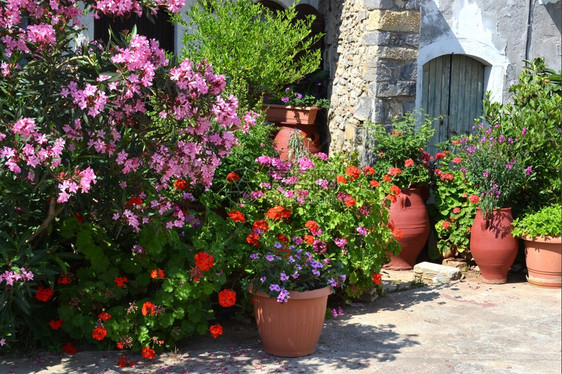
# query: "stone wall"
[371,53]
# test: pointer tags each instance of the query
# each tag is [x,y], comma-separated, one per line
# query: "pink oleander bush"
[103,150]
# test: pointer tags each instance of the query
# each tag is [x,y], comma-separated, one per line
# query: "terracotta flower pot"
[491,244]
[409,214]
[291,115]
[543,256]
[311,140]
[291,329]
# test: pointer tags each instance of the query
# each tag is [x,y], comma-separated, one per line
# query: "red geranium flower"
[181,184]
[394,171]
[309,239]
[397,233]
[227,298]
[232,176]
[409,162]
[374,183]
[69,348]
[253,239]
[44,294]
[474,199]
[278,213]
[368,170]
[124,363]
[392,198]
[56,324]
[350,201]
[457,210]
[120,345]
[395,190]
[204,261]
[386,178]
[457,160]
[353,172]
[134,201]
[64,279]
[236,216]
[216,330]
[104,316]
[312,226]
[261,225]
[148,352]
[157,273]
[341,179]
[446,225]
[147,307]
[377,278]
[440,155]
[282,238]
[120,281]
[99,333]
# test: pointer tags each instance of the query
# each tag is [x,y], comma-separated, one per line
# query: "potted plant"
[491,163]
[541,234]
[312,213]
[399,158]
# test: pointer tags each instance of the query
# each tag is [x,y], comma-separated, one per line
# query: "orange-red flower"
[282,238]
[156,273]
[278,213]
[395,190]
[409,162]
[120,281]
[124,363]
[392,198]
[309,239]
[99,333]
[446,225]
[69,348]
[64,279]
[148,352]
[353,172]
[147,307]
[457,160]
[368,170]
[232,176]
[394,171]
[386,178]
[134,201]
[181,184]
[120,345]
[56,324]
[341,179]
[440,155]
[374,183]
[204,261]
[253,239]
[456,210]
[377,278]
[397,233]
[350,201]
[474,199]
[260,225]
[216,330]
[236,216]
[44,294]
[227,298]
[104,316]
[312,226]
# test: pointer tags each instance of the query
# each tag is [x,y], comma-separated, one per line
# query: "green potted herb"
[541,233]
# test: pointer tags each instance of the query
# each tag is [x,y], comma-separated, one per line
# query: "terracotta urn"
[291,115]
[492,246]
[291,329]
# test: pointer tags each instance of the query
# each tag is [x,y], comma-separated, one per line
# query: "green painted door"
[452,89]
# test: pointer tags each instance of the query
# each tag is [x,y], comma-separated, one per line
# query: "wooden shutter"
[453,88]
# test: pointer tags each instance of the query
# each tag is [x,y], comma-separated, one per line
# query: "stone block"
[391,89]
[378,4]
[436,273]
[398,53]
[364,109]
[405,21]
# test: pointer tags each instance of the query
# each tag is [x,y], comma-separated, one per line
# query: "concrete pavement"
[463,326]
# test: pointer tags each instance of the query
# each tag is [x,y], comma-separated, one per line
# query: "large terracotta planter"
[311,139]
[492,246]
[409,214]
[291,329]
[291,115]
[543,256]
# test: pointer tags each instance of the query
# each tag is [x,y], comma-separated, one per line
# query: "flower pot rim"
[295,295]
[543,239]
[311,107]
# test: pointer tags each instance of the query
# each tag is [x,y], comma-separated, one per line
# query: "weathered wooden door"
[452,89]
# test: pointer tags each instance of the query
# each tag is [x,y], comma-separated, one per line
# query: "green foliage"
[452,212]
[405,141]
[536,111]
[545,222]
[258,51]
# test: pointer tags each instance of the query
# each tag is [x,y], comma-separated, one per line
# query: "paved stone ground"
[463,326]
